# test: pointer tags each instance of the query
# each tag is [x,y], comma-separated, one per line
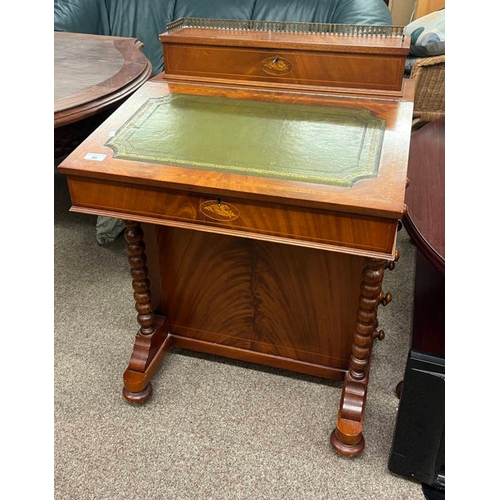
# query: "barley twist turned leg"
[369,301]
[151,342]
[347,438]
[139,272]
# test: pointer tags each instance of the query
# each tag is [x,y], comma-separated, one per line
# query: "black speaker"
[418,446]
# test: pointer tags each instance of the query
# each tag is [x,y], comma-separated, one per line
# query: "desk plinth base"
[347,438]
[206,318]
[147,356]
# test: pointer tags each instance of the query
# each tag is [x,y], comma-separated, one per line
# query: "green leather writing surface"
[320,144]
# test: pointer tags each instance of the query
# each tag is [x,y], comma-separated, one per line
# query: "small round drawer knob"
[385,299]
[391,264]
[379,335]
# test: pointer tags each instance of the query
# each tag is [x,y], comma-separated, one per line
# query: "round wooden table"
[425,223]
[93,75]
[418,445]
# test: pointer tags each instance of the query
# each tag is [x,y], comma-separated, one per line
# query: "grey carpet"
[214,428]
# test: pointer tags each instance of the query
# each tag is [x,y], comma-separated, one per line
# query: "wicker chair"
[428,73]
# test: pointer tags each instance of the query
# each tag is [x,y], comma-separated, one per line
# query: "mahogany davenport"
[259,224]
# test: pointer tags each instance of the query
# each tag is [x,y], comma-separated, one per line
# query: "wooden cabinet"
[259,219]
[405,11]
[424,7]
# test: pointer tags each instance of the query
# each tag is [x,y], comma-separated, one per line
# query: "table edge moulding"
[287,214]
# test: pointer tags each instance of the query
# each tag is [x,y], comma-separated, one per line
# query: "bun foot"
[348,450]
[138,397]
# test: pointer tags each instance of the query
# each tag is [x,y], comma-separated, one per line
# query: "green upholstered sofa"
[147,19]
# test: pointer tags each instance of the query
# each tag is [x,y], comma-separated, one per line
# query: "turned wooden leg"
[152,340]
[347,439]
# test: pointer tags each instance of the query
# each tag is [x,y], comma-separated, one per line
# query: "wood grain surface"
[281,300]
[425,197]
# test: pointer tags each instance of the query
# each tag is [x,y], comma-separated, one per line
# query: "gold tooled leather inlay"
[296,142]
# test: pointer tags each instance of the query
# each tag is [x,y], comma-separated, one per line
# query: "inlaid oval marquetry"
[220,211]
[277,66]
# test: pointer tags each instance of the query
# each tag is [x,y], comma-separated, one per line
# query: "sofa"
[147,19]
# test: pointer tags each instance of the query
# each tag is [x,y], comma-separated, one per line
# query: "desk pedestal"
[307,310]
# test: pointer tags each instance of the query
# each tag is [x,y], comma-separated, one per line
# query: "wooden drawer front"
[302,226]
[340,70]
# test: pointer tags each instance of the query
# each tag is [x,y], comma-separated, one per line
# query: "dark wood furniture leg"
[347,438]
[152,340]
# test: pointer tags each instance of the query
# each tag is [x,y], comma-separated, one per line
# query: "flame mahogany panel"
[281,300]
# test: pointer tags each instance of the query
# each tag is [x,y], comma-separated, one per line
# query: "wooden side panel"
[280,300]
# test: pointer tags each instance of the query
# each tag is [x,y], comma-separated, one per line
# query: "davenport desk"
[260,214]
